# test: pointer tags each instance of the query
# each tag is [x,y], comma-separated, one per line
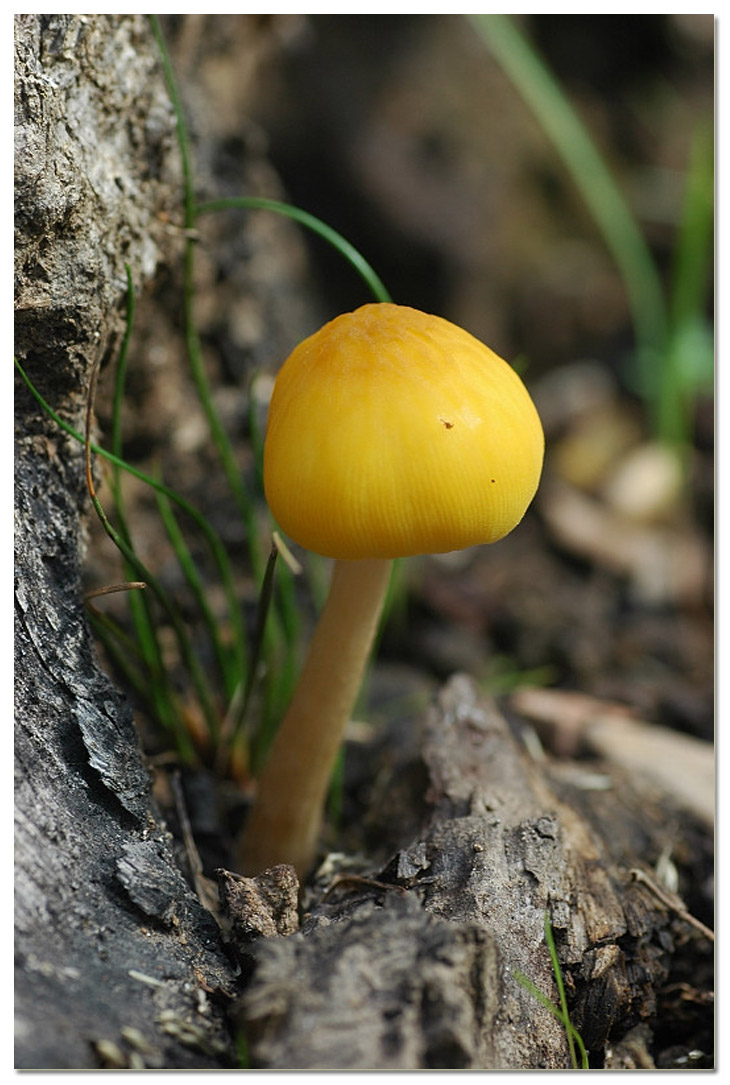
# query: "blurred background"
[412,136]
[547,182]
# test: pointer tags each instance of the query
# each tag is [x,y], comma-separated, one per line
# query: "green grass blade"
[228,665]
[183,641]
[149,640]
[597,187]
[559,1012]
[276,629]
[138,669]
[559,982]
[121,375]
[238,719]
[192,339]
[311,222]
[123,649]
[571,1031]
[182,131]
[218,433]
[693,252]
[691,355]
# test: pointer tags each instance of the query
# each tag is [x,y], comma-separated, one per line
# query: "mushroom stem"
[284,822]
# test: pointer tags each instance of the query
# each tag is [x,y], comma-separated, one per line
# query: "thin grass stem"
[609,209]
[182,131]
[559,983]
[690,354]
[526,982]
[340,243]
[234,725]
[123,544]
[559,1012]
[228,665]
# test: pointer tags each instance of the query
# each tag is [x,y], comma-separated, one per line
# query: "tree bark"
[117,961]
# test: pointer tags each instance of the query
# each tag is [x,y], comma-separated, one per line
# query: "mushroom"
[390,433]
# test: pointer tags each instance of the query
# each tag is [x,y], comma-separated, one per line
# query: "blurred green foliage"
[673,359]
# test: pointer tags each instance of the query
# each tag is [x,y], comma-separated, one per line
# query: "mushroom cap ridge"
[392,432]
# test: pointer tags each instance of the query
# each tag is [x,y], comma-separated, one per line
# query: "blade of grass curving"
[142,621]
[128,645]
[120,377]
[600,192]
[277,629]
[269,717]
[182,132]
[192,340]
[160,693]
[692,261]
[340,243]
[123,543]
[234,477]
[219,436]
[182,737]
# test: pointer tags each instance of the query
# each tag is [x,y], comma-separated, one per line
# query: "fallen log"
[420,965]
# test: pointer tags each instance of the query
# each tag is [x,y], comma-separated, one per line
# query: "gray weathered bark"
[115,955]
[419,971]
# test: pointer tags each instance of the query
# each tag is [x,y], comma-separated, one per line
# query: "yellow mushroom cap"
[392,432]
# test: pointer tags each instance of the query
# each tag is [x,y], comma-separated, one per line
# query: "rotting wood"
[377,980]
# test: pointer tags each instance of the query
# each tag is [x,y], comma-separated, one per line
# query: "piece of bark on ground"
[420,972]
